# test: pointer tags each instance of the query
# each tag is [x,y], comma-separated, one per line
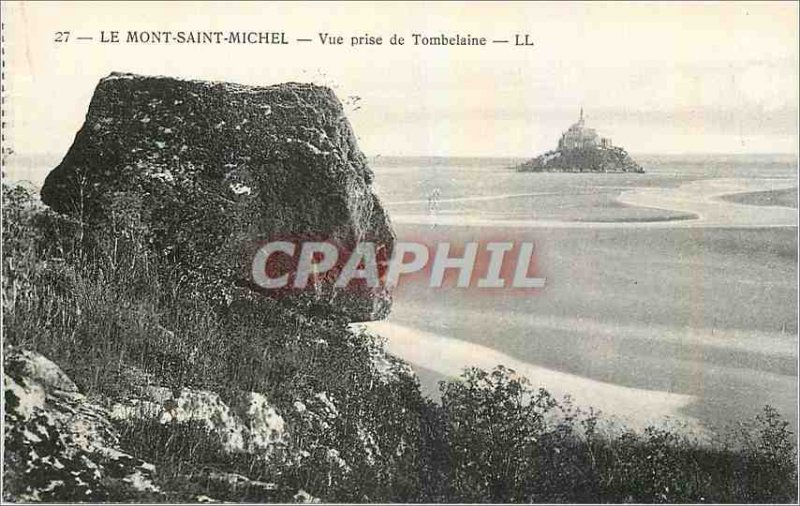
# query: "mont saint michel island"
[581,149]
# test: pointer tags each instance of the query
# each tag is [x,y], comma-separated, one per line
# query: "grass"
[115,316]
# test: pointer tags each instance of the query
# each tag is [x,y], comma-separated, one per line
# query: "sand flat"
[699,198]
[449,356]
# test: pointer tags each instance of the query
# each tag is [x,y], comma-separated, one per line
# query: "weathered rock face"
[251,425]
[62,447]
[203,173]
[592,159]
[58,445]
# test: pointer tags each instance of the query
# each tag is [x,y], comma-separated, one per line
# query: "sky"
[655,77]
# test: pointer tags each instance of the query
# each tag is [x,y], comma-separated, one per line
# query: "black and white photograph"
[400,252]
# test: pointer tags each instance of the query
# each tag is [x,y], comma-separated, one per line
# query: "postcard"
[400,252]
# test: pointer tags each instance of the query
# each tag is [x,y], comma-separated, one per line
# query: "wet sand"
[691,318]
[700,200]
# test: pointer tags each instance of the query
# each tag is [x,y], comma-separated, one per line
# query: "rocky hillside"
[597,159]
[152,442]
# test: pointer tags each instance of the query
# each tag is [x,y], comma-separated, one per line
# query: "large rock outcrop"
[203,173]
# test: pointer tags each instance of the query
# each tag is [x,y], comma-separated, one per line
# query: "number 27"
[62,37]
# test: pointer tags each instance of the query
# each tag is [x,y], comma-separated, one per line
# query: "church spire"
[581,114]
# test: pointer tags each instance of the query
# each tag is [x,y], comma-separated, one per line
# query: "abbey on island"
[581,149]
[578,136]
